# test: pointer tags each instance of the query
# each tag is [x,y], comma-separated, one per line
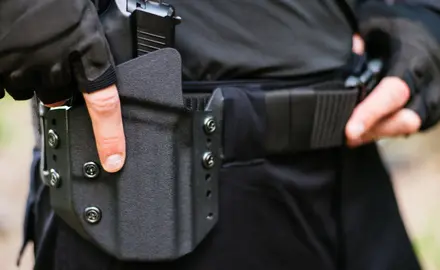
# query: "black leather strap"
[299,119]
[332,111]
[302,120]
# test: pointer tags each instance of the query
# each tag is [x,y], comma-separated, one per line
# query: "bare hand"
[105,113]
[382,114]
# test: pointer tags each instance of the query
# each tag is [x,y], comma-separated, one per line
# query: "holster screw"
[91,170]
[208,160]
[52,139]
[54,178]
[92,214]
[209,125]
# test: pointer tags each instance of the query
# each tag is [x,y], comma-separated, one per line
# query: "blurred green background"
[413,162]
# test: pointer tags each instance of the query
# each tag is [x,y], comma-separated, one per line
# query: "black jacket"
[52,47]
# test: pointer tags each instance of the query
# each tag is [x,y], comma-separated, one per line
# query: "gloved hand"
[407,100]
[55,47]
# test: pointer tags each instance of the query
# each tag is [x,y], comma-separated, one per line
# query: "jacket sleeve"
[52,48]
[407,37]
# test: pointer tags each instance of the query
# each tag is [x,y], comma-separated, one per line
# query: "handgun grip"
[118,25]
[154,28]
[146,27]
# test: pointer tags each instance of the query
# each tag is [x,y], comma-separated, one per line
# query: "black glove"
[52,48]
[407,39]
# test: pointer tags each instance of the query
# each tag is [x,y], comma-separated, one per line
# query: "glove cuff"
[107,79]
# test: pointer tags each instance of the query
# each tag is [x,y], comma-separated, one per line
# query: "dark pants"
[327,209]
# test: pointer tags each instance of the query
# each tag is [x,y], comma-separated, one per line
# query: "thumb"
[389,96]
[105,113]
[358,44]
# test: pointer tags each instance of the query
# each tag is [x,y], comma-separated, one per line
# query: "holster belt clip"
[367,80]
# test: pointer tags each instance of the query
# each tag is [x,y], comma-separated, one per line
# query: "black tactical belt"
[300,119]
[306,118]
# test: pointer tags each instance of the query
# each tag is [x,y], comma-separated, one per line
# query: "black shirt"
[229,39]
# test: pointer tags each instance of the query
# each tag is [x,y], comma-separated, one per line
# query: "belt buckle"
[367,80]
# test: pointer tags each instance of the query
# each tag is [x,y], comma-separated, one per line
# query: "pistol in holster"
[164,201]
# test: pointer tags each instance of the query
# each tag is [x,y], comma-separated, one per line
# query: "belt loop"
[307,119]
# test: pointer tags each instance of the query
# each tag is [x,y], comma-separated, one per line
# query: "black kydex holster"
[164,201]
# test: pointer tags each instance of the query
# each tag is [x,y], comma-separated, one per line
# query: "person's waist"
[292,115]
[267,84]
[357,75]
[356,66]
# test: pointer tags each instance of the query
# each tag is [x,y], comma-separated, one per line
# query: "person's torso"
[230,39]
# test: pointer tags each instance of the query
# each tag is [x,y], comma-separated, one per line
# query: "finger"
[390,95]
[366,138]
[358,44]
[56,104]
[105,112]
[402,123]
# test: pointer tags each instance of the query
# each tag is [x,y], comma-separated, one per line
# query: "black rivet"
[54,178]
[92,214]
[52,139]
[208,160]
[209,125]
[91,170]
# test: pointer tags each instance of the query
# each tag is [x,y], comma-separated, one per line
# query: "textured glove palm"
[52,48]
[407,38]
